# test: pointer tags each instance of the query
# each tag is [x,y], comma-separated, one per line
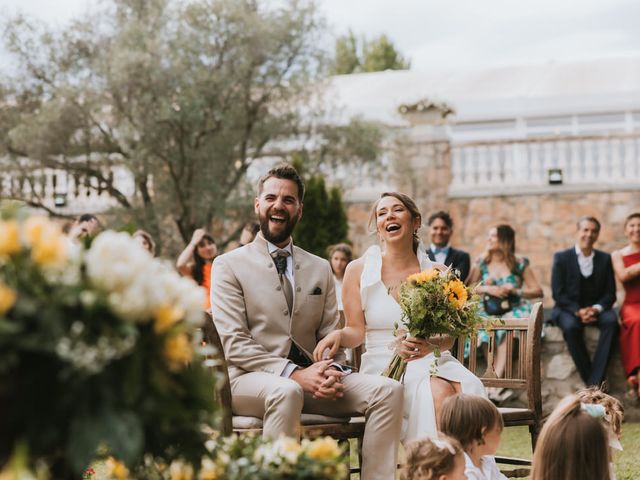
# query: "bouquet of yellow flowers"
[433,302]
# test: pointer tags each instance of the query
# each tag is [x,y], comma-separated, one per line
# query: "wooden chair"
[521,336]
[312,426]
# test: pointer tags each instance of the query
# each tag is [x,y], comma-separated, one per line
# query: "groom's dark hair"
[286,172]
[442,215]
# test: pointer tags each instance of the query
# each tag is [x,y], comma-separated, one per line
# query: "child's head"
[472,420]
[572,444]
[613,411]
[434,459]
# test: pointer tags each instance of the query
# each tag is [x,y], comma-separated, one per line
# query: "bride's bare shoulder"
[354,269]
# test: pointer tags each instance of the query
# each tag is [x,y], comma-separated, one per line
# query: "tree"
[375,55]
[324,219]
[183,97]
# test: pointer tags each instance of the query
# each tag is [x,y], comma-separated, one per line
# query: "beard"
[279,237]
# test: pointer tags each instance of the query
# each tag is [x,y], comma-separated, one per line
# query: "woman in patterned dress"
[504,275]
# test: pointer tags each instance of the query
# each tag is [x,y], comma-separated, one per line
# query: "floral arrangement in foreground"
[98,353]
[246,457]
[433,302]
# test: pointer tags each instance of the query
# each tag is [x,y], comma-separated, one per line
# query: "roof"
[601,85]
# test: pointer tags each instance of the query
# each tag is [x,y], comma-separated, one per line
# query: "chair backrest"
[223,386]
[522,336]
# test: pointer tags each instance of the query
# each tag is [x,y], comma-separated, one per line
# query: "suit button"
[270,265]
[285,312]
[297,267]
[278,288]
[298,289]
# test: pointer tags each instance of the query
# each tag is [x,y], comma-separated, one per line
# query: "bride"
[369,296]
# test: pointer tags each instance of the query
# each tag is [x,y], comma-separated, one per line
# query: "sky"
[456,34]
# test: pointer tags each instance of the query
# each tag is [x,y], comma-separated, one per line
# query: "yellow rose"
[178,470]
[424,276]
[48,245]
[457,293]
[324,449]
[165,317]
[9,237]
[177,351]
[117,469]
[33,229]
[8,298]
[50,251]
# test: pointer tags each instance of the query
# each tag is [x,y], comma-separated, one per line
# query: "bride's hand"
[414,348]
[330,342]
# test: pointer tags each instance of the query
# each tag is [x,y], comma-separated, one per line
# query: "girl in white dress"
[371,310]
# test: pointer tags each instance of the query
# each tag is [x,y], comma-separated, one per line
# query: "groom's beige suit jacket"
[250,310]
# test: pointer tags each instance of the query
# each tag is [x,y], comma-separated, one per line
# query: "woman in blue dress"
[509,279]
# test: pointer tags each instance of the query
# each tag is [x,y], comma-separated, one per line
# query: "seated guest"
[440,230]
[507,282]
[196,259]
[248,233]
[86,225]
[626,264]
[477,424]
[146,241]
[573,444]
[339,257]
[434,459]
[584,291]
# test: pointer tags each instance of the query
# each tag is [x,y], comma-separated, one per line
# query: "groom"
[272,302]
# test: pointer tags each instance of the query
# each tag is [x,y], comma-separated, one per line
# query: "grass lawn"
[517,443]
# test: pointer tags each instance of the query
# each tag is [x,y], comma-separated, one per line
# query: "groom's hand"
[319,380]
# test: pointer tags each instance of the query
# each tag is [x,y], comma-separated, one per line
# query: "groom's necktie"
[280,259]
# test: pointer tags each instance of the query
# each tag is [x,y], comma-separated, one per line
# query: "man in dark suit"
[584,290]
[440,230]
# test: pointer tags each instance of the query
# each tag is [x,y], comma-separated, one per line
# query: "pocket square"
[316,291]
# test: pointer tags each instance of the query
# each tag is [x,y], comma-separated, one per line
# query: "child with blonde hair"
[573,443]
[477,424]
[612,415]
[434,459]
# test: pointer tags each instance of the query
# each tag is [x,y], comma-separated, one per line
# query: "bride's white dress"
[381,311]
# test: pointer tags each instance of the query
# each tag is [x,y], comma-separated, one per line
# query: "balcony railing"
[64,192]
[523,166]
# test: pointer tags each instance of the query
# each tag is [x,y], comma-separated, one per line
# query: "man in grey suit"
[272,302]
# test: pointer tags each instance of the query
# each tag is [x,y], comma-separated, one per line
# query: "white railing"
[521,166]
[62,191]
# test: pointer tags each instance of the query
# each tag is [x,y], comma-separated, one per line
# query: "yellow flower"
[8,298]
[51,251]
[117,469]
[209,470]
[179,470]
[48,245]
[9,237]
[457,293]
[424,276]
[165,316]
[177,351]
[324,449]
[33,229]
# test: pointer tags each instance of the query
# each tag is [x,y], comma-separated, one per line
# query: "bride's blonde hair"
[409,204]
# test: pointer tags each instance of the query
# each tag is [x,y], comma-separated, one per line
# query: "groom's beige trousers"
[280,401]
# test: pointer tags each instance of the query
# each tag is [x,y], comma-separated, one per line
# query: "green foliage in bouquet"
[434,303]
[98,352]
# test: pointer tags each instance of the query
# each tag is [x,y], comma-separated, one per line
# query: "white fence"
[522,166]
[64,192]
